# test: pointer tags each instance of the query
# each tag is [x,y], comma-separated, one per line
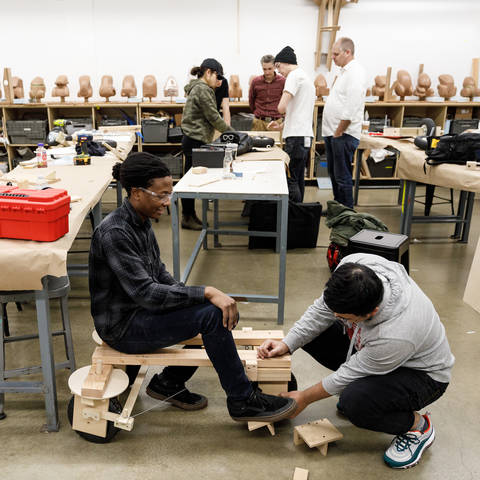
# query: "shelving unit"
[96,111]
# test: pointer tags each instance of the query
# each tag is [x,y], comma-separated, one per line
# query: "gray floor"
[171,444]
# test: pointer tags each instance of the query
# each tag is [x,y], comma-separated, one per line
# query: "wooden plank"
[184,357]
[274,374]
[97,379]
[388,91]
[274,388]
[300,474]
[244,337]
[475,70]
[7,85]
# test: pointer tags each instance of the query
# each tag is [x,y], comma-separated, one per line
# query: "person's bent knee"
[358,406]
[212,318]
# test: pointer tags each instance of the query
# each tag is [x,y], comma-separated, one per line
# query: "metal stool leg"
[2,359]
[5,327]
[67,332]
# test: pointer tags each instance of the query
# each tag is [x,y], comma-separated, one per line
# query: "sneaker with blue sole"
[405,450]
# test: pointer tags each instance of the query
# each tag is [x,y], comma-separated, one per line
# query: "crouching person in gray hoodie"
[384,341]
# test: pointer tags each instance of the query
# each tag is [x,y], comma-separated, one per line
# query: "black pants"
[298,153]
[383,403]
[188,204]
[151,330]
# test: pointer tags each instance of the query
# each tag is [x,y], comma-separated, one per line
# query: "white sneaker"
[405,450]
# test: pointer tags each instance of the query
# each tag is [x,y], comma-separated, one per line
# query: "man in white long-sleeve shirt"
[380,334]
[342,119]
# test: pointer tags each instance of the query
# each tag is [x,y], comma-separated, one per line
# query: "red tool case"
[34,214]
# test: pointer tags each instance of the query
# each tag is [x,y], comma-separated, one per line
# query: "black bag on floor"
[303,224]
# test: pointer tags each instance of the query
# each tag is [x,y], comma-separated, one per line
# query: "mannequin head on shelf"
[446,88]
[86,90]
[37,89]
[379,88]
[321,88]
[129,89]
[234,90]
[423,88]
[60,89]
[171,87]
[403,86]
[106,88]
[149,87]
[469,89]
[17,84]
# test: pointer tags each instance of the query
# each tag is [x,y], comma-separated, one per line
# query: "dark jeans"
[298,153]
[383,403]
[188,204]
[150,330]
[340,152]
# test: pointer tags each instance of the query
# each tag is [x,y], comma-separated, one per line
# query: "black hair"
[198,72]
[353,288]
[138,170]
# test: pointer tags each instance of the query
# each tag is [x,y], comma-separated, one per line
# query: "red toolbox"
[34,214]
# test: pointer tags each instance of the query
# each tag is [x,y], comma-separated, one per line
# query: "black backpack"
[244,141]
[455,149]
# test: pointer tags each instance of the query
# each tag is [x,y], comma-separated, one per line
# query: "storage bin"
[174,163]
[242,121]
[27,131]
[385,168]
[155,131]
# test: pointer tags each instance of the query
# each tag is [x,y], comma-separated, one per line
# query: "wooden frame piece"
[256,425]
[317,434]
[7,85]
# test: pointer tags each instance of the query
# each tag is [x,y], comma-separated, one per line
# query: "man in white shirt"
[297,102]
[342,119]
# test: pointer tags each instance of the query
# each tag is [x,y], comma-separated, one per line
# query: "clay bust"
[446,88]
[106,87]
[129,89]
[37,89]
[17,84]
[235,91]
[171,87]
[149,87]
[321,88]
[379,88]
[60,89]
[86,90]
[403,86]
[423,89]
[469,89]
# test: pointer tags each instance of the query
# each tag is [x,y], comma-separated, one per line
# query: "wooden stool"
[316,434]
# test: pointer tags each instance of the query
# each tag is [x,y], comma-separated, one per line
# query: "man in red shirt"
[265,93]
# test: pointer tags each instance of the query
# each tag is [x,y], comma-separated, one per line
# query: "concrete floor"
[172,444]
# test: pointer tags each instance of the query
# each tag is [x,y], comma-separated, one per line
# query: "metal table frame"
[462,219]
[280,234]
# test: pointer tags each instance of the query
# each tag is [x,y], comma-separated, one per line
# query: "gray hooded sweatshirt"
[405,332]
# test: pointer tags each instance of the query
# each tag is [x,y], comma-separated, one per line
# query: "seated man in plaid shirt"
[138,307]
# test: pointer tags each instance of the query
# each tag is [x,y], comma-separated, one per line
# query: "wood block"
[256,425]
[300,474]
[274,388]
[251,369]
[7,85]
[317,434]
[244,337]
[96,381]
[88,417]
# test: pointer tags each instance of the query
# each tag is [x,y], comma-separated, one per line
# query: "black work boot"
[261,407]
[162,388]
[189,223]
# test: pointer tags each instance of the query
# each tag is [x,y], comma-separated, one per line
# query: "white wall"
[160,37]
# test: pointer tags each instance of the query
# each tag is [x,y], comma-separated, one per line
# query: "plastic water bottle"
[227,164]
[41,155]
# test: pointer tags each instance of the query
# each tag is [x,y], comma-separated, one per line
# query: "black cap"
[212,64]
[287,55]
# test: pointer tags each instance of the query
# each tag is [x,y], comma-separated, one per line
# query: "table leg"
[175,238]
[460,213]
[216,243]
[407,207]
[204,222]
[46,354]
[468,217]
[283,207]
[97,214]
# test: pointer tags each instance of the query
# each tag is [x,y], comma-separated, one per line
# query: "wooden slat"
[475,70]
[241,337]
[7,84]
[182,357]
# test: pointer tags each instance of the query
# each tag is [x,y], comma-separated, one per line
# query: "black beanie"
[287,55]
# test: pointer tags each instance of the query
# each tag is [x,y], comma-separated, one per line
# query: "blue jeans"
[340,152]
[151,330]
[298,153]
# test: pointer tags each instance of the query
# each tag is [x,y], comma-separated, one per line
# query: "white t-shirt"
[299,114]
[346,101]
